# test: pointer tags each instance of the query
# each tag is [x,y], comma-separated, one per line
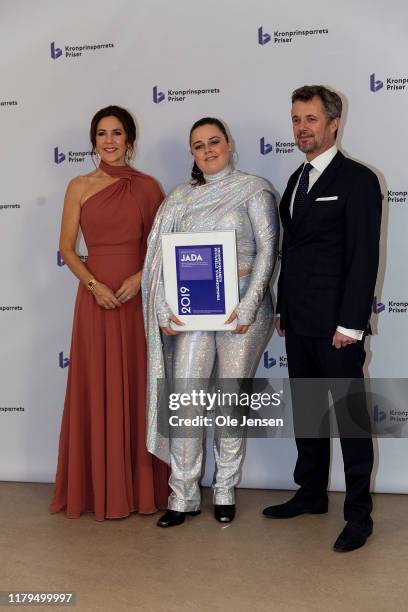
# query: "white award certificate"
[201,278]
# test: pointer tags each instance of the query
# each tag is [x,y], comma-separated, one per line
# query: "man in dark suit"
[331,215]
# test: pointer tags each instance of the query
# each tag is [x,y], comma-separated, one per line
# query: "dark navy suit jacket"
[330,252]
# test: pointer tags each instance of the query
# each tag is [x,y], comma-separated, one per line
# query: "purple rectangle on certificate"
[195,263]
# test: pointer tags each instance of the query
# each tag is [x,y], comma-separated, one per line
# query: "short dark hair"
[196,174]
[331,101]
[124,117]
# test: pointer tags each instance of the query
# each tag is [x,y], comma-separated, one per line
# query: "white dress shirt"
[320,164]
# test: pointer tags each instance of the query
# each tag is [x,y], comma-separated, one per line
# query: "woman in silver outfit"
[217,198]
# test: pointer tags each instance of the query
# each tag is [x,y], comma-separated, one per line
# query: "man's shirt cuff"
[356,334]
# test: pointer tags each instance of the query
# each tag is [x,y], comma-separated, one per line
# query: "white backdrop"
[60,62]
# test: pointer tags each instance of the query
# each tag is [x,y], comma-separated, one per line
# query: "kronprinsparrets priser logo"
[55,51]
[392,415]
[74,157]
[75,51]
[265,147]
[390,84]
[158,96]
[377,306]
[5,103]
[269,361]
[180,95]
[61,262]
[397,307]
[379,415]
[9,409]
[10,308]
[279,147]
[58,157]
[391,306]
[287,36]
[11,206]
[374,84]
[397,197]
[63,361]
[263,37]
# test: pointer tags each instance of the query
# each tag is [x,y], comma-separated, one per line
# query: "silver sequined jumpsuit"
[237,355]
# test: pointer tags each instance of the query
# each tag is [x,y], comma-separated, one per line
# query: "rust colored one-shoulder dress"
[103,464]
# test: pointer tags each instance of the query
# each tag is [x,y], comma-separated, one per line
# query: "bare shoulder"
[86,179]
[77,187]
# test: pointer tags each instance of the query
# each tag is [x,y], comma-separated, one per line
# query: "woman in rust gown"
[103,464]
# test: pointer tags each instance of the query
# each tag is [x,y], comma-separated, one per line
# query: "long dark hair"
[196,174]
[124,117]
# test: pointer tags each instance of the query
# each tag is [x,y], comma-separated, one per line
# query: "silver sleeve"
[163,310]
[263,214]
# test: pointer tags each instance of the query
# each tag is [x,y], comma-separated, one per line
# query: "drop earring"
[128,154]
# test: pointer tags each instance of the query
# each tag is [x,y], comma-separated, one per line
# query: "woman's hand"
[105,297]
[169,331]
[240,329]
[129,288]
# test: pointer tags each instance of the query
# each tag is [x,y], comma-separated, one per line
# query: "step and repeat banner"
[171,63]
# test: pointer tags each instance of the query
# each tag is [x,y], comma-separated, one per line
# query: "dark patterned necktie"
[301,191]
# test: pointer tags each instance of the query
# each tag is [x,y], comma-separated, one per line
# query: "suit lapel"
[324,180]
[286,199]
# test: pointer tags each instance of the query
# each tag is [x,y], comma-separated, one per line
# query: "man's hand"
[169,331]
[281,332]
[340,340]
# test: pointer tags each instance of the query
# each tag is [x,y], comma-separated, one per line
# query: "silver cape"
[226,194]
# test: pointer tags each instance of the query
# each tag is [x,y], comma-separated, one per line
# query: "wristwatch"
[91,284]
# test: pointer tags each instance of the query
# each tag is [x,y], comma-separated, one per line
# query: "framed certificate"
[201,278]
